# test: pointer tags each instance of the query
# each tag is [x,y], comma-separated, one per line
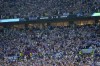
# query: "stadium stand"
[58,46]
[49,42]
[37,8]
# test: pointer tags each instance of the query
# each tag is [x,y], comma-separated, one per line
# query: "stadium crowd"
[38,8]
[52,46]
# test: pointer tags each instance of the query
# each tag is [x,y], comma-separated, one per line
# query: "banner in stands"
[88,50]
[9,20]
[98,63]
[44,17]
[96,14]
